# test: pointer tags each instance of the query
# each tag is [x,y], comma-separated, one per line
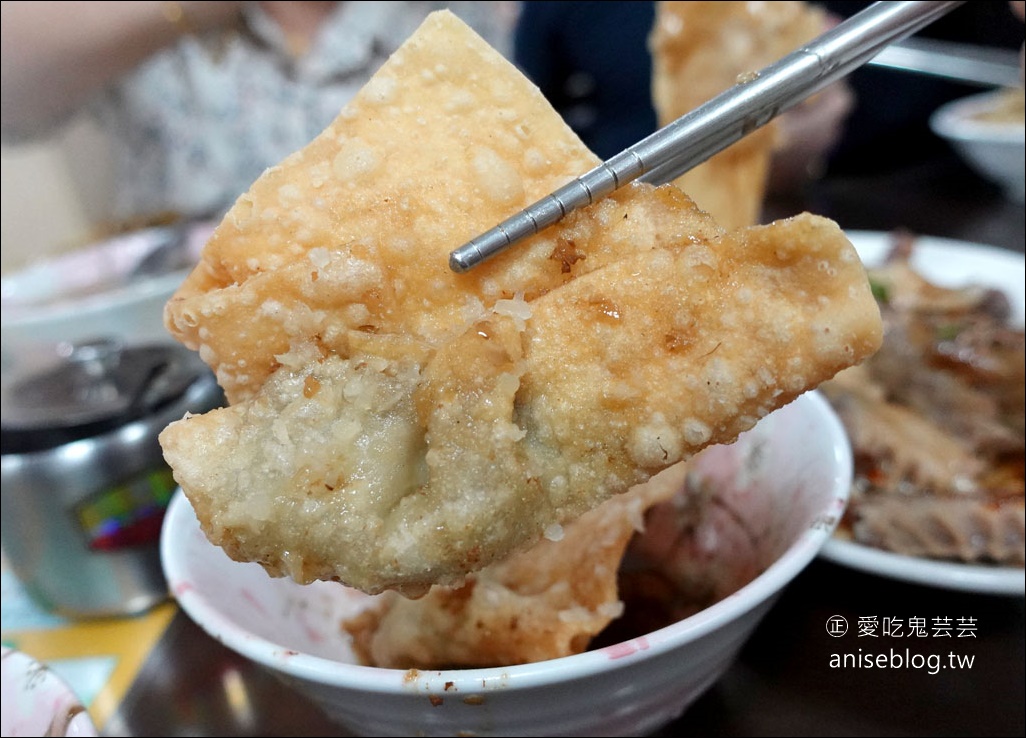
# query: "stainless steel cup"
[84,482]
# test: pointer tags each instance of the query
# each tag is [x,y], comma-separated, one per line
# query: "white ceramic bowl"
[98,290]
[993,148]
[38,702]
[787,479]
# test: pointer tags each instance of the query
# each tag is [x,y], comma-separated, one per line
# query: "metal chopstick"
[967,63]
[694,137]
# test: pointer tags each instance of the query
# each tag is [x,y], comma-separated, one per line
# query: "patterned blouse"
[194,125]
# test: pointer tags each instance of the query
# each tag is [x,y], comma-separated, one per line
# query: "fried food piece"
[385,473]
[346,242]
[546,602]
[394,425]
[700,49]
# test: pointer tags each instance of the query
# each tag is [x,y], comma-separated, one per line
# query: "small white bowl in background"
[785,482]
[106,289]
[987,130]
[38,702]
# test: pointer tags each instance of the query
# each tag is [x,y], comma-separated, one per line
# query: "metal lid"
[93,386]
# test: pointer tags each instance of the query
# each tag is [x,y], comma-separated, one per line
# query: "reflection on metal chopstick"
[977,65]
[711,127]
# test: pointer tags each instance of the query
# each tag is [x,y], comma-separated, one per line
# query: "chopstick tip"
[460,260]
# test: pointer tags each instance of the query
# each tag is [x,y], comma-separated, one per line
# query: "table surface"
[783,681]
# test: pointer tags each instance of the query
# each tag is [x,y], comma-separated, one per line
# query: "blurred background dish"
[115,288]
[987,130]
[952,264]
[38,702]
[994,580]
[781,488]
[85,485]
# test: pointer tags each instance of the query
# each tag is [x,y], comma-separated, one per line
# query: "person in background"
[198,98]
[591,60]
[889,126]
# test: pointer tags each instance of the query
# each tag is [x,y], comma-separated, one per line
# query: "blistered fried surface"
[525,420]
[700,49]
[351,235]
[394,425]
[546,602]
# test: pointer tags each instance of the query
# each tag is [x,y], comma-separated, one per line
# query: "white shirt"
[197,123]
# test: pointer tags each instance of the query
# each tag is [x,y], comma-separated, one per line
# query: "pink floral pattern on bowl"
[38,702]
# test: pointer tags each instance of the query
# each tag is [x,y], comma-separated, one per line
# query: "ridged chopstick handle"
[708,129]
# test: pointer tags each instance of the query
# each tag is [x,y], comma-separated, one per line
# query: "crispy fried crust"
[347,241]
[394,425]
[543,603]
[700,49]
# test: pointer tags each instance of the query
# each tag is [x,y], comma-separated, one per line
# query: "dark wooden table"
[783,682]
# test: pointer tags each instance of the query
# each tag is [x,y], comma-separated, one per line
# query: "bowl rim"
[80,283]
[81,308]
[370,679]
[953,120]
[24,674]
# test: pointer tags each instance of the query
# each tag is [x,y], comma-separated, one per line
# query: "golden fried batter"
[700,49]
[346,242]
[394,425]
[543,603]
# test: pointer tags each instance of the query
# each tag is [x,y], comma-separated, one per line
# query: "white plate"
[1002,580]
[950,263]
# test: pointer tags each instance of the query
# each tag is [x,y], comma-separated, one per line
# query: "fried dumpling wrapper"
[387,474]
[347,240]
[700,49]
[394,425]
[546,602]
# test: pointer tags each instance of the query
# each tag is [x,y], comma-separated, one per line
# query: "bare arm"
[56,55]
